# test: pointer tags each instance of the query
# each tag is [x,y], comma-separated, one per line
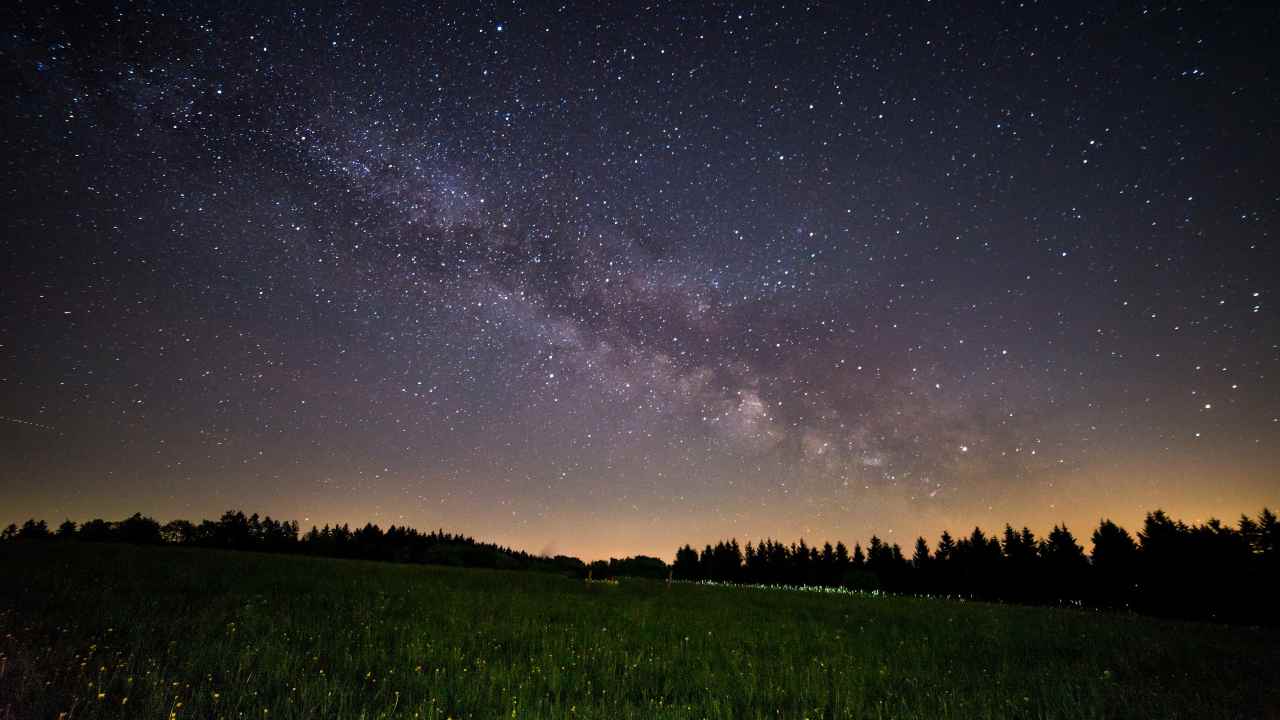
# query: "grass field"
[115,631]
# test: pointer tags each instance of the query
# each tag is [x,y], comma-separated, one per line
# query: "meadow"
[118,631]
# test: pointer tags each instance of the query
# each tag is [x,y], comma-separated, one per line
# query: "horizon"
[1082,534]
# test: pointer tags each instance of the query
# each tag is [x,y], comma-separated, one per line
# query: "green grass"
[237,635]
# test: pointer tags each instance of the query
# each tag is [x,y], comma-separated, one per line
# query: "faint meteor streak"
[31,423]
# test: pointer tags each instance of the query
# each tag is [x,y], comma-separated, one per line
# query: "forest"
[1210,571]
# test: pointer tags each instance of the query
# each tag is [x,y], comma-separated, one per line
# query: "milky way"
[604,282]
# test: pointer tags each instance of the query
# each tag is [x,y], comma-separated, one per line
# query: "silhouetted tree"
[753,563]
[974,565]
[859,575]
[138,529]
[1162,547]
[232,531]
[1064,566]
[920,579]
[726,561]
[34,530]
[686,564]
[178,532]
[640,566]
[1222,554]
[946,547]
[827,565]
[878,555]
[842,562]
[1267,540]
[1021,578]
[887,564]
[1115,565]
[96,530]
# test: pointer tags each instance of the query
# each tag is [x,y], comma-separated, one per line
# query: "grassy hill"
[118,631]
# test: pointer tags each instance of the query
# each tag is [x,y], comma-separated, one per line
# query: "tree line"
[237,531]
[1207,571]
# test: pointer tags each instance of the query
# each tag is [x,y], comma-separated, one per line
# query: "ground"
[117,631]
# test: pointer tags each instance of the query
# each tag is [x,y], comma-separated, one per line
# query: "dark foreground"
[116,631]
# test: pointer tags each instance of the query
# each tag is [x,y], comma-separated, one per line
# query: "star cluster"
[599,280]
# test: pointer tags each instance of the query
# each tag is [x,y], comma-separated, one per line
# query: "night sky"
[605,282]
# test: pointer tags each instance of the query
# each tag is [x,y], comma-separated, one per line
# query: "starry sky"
[605,281]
